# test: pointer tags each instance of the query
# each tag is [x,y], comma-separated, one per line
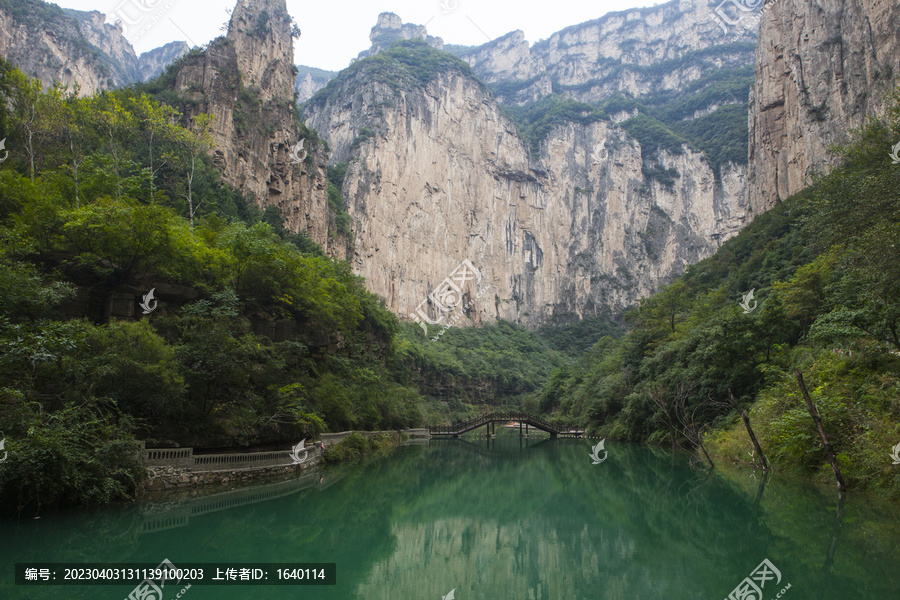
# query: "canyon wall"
[587,224]
[443,177]
[822,68]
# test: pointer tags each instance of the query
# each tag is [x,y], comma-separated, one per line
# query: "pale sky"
[335,31]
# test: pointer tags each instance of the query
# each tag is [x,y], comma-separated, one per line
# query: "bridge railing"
[463,426]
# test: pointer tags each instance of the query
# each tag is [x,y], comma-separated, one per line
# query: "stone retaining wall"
[173,468]
[168,477]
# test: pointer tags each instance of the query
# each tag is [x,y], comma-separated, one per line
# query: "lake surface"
[507,519]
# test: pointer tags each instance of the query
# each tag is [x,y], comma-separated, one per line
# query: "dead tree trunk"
[658,395]
[746,420]
[829,452]
[688,418]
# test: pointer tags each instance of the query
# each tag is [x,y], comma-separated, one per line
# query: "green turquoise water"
[508,519]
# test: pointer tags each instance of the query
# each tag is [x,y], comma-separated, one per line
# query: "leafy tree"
[194,144]
[856,208]
[73,127]
[158,126]
[135,238]
[29,112]
[81,455]
[118,127]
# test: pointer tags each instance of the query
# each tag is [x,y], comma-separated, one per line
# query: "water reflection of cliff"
[545,523]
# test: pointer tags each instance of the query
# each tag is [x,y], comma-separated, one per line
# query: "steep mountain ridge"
[638,52]
[75,47]
[152,62]
[564,210]
[309,81]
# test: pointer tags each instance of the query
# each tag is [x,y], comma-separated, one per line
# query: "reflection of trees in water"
[832,547]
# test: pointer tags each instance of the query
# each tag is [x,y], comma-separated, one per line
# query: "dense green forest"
[824,267]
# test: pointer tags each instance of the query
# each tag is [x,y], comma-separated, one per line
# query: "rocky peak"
[390,28]
[438,175]
[507,57]
[260,32]
[245,81]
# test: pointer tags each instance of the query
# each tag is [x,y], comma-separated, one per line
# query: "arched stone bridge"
[489,419]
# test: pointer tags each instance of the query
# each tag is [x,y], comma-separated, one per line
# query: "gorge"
[651,225]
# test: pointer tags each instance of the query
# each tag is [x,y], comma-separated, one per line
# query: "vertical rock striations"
[822,68]
[438,174]
[563,216]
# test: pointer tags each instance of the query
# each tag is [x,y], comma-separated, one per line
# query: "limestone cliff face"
[638,51]
[111,44]
[444,178]
[438,174]
[246,82]
[54,50]
[260,33]
[76,47]
[822,68]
